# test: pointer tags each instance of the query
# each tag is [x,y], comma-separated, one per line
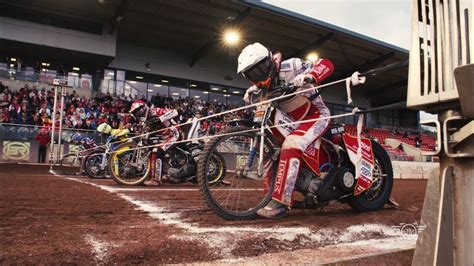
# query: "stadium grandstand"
[173,54]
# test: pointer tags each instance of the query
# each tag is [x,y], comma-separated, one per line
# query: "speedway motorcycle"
[132,163]
[361,178]
[95,163]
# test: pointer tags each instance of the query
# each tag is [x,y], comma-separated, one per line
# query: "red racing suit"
[300,107]
[160,118]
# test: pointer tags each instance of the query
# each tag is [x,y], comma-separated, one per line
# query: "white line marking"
[99,248]
[226,238]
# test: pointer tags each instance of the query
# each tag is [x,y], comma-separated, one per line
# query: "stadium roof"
[194,28]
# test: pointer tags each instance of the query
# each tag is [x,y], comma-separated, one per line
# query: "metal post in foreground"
[53,128]
[58,84]
[441,81]
[63,94]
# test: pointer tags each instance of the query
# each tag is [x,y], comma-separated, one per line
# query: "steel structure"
[440,81]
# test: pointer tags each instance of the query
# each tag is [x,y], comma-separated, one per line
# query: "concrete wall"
[33,33]
[413,170]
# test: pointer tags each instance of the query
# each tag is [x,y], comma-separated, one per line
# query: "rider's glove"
[356,80]
[302,79]
[249,92]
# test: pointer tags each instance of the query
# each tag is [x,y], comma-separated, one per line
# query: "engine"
[307,182]
[178,175]
[335,184]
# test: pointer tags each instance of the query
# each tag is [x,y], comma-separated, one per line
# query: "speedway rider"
[155,119]
[265,71]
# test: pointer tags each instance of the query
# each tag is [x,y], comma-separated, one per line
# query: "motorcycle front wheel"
[128,165]
[378,194]
[242,191]
[93,164]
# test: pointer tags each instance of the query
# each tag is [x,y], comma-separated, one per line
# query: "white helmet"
[104,128]
[255,62]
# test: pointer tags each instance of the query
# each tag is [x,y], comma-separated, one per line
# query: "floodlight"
[231,37]
[312,56]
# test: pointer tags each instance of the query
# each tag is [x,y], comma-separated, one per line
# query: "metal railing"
[9,131]
[46,77]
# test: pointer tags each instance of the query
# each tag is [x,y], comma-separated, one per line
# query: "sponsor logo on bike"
[15,150]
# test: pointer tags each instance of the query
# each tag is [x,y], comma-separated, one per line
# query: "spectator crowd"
[33,106]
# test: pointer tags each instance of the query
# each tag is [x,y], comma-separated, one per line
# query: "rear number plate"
[337,130]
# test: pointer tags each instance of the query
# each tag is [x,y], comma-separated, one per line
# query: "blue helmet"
[76,138]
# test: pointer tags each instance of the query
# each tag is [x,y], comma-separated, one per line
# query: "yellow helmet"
[104,128]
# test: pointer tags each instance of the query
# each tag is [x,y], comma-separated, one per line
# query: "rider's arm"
[252,89]
[322,69]
[169,114]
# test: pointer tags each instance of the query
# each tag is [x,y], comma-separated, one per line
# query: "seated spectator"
[4,115]
[23,119]
[36,121]
[400,147]
[418,141]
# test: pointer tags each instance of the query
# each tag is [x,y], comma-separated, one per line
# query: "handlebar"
[282,90]
[277,91]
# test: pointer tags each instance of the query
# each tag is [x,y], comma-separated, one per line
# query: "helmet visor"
[260,71]
[138,112]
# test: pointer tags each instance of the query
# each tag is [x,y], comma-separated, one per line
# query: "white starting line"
[225,239]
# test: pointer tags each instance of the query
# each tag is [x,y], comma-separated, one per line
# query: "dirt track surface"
[56,219]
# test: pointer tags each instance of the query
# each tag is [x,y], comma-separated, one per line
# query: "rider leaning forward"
[155,119]
[266,71]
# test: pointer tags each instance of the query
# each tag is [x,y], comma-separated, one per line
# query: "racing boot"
[392,203]
[152,182]
[273,210]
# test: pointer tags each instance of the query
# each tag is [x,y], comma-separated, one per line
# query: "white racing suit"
[300,107]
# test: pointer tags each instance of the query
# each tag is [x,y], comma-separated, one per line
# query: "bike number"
[260,113]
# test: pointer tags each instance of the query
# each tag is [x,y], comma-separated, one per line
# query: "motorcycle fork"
[155,164]
[104,159]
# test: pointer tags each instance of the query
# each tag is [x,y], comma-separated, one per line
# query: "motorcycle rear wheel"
[378,194]
[238,195]
[127,172]
[218,168]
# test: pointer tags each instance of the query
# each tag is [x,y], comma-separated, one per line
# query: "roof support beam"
[314,45]
[119,14]
[203,50]
[388,89]
[366,66]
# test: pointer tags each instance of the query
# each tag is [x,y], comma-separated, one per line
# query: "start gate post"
[441,81]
